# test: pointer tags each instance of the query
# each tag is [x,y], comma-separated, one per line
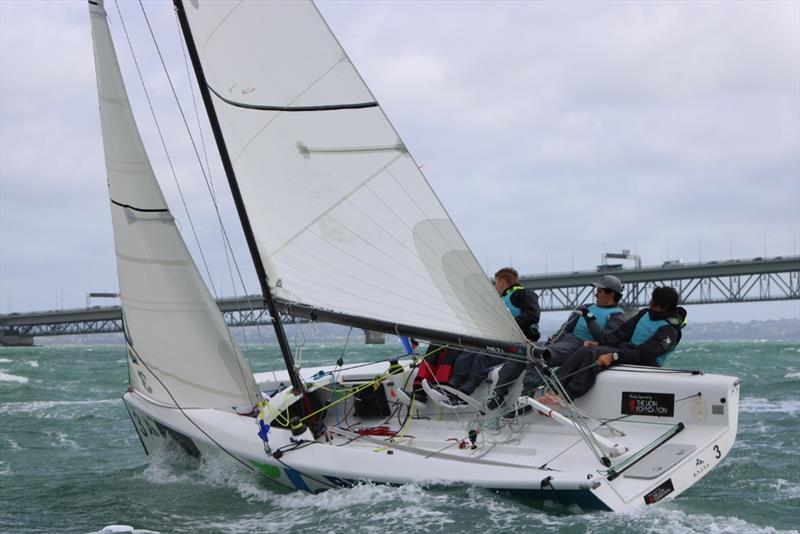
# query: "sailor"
[472,368]
[585,323]
[647,338]
[521,302]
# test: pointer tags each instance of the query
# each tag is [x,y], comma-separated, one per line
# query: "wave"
[762,405]
[794,375]
[668,519]
[29,407]
[33,363]
[13,444]
[5,360]
[62,440]
[7,377]
[167,466]
[371,508]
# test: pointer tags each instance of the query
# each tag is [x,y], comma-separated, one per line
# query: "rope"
[161,135]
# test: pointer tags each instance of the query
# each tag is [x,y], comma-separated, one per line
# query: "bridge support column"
[11,339]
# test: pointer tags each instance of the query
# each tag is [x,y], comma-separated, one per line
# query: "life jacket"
[645,328]
[581,330]
[515,311]
[533,332]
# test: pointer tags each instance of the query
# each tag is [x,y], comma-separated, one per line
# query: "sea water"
[70,461]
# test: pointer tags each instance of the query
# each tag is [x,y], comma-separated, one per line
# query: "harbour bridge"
[732,281]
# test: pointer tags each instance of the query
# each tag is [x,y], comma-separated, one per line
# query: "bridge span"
[733,281]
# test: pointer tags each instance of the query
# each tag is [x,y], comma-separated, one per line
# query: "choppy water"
[70,461]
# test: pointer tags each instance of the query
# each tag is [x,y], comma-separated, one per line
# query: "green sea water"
[70,461]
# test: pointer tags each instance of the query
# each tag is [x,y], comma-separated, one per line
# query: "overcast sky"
[552,131]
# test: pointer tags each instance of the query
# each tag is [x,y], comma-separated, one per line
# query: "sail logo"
[652,404]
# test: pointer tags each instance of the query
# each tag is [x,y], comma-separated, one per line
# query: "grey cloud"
[529,118]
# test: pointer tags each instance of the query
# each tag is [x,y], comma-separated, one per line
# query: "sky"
[551,131]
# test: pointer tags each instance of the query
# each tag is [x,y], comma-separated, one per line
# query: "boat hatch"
[660,461]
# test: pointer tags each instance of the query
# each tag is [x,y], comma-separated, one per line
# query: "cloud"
[551,131]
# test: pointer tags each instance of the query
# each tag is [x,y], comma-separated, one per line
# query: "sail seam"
[336,204]
[324,107]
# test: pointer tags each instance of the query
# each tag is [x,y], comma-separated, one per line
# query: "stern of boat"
[686,424]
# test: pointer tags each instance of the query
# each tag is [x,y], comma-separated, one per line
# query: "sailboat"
[342,226]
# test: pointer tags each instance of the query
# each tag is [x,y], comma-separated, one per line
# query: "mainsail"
[342,216]
[179,346]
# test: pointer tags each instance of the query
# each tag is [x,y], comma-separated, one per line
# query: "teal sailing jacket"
[581,330]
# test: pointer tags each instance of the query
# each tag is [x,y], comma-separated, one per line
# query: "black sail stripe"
[143,210]
[329,107]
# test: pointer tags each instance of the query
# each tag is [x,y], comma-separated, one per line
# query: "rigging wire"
[254,396]
[226,245]
[161,135]
[130,344]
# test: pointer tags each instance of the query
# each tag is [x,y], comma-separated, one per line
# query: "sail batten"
[342,215]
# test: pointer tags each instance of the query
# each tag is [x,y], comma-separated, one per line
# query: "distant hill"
[774,330]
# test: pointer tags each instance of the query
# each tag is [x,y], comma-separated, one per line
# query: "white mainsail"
[179,346]
[342,216]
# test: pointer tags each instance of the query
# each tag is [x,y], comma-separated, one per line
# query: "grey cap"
[610,282]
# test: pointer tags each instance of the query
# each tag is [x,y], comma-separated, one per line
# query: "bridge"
[754,280]
[713,282]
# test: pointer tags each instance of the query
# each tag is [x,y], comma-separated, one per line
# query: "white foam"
[167,465]
[795,375]
[62,440]
[277,522]
[33,363]
[666,518]
[5,360]
[786,489]
[13,444]
[7,377]
[123,529]
[762,405]
[46,408]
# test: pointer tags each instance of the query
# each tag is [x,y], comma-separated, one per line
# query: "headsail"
[343,218]
[174,329]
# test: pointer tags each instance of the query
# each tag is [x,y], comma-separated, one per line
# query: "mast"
[280,333]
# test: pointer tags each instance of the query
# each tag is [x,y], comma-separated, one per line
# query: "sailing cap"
[610,282]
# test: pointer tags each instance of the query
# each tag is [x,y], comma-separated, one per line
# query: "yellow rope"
[354,391]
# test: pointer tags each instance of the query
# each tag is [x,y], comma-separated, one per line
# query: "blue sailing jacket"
[581,330]
[645,329]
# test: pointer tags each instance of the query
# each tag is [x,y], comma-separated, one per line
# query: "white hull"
[532,454]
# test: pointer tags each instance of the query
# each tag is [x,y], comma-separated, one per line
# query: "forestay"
[173,326]
[342,216]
